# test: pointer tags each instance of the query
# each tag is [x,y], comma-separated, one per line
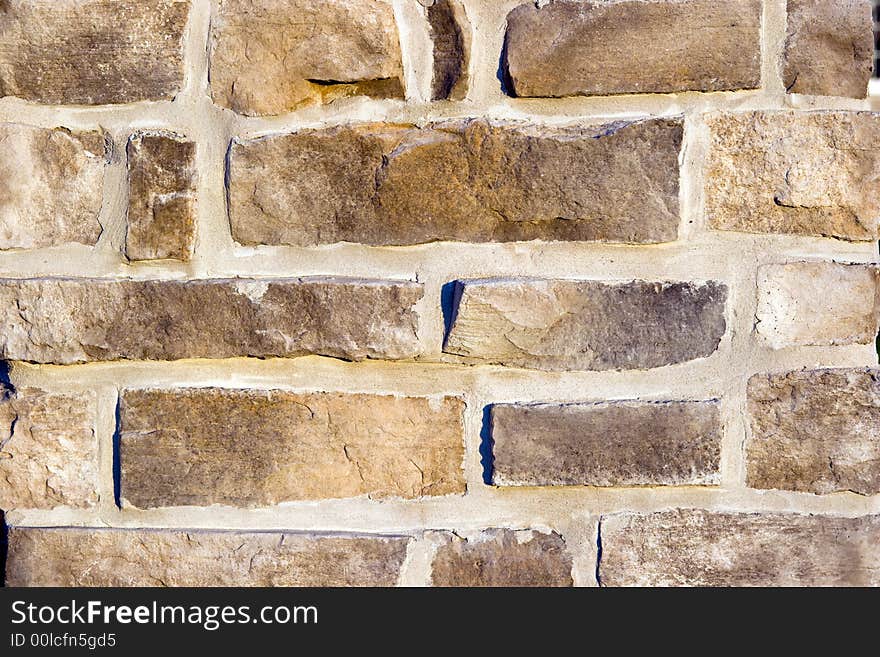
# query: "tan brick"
[252,447]
[53,320]
[451,40]
[613,444]
[274,56]
[467,180]
[816,431]
[587,325]
[597,48]
[92,52]
[702,548]
[143,557]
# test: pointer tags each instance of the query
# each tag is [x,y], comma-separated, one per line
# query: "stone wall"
[451,292]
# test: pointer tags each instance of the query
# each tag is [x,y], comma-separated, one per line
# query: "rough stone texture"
[818,303]
[252,448]
[587,325]
[63,321]
[503,557]
[803,173]
[141,557]
[816,431]
[653,46]
[450,33]
[702,548]
[274,56]
[468,180]
[91,52]
[51,186]
[614,444]
[829,49]
[48,449]
[162,197]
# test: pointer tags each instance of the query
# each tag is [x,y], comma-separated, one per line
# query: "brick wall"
[462,292]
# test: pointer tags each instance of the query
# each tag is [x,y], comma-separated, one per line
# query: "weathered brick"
[587,325]
[48,449]
[451,40]
[252,447]
[468,180]
[613,444]
[274,56]
[142,557]
[802,173]
[597,48]
[91,52]
[816,431]
[55,320]
[829,47]
[503,557]
[818,304]
[162,200]
[53,182]
[702,548]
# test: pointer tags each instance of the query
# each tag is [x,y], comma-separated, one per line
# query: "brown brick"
[702,548]
[451,39]
[829,48]
[613,444]
[802,173]
[53,320]
[816,431]
[48,449]
[162,201]
[587,325]
[503,557]
[274,56]
[649,46]
[142,557]
[53,182]
[252,447]
[467,180]
[92,52]
[818,304]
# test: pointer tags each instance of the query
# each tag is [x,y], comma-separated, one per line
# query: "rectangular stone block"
[575,48]
[463,180]
[586,325]
[142,557]
[55,320]
[818,304]
[816,431]
[53,185]
[611,444]
[690,547]
[275,56]
[797,173]
[92,52]
[262,447]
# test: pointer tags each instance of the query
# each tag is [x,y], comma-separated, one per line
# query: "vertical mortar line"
[488,21]
[415,49]
[105,430]
[695,148]
[195,58]
[416,568]
[432,328]
[472,426]
[579,533]
[114,206]
[773,33]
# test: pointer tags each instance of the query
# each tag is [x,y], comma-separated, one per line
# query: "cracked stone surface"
[701,548]
[63,321]
[387,184]
[162,197]
[586,325]
[608,444]
[53,182]
[91,52]
[256,448]
[801,173]
[818,304]
[451,38]
[503,557]
[816,431]
[591,48]
[141,557]
[48,449]
[829,47]
[275,56]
